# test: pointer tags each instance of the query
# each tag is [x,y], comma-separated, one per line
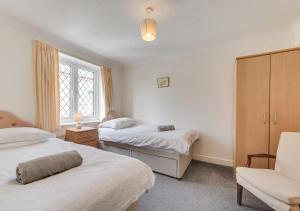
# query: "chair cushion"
[288,156]
[269,200]
[272,183]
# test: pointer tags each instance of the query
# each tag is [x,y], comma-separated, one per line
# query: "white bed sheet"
[145,135]
[105,181]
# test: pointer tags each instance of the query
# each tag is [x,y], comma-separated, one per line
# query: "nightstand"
[86,136]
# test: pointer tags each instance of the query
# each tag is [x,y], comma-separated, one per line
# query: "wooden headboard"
[8,119]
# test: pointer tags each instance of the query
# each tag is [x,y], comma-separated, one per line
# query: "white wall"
[16,70]
[201,92]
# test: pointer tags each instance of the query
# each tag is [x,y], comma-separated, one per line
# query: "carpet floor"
[204,187]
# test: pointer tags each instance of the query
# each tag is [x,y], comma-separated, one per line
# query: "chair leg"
[239,195]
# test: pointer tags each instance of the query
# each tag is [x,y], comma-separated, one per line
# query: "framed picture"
[163,82]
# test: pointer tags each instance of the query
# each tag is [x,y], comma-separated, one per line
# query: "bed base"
[163,162]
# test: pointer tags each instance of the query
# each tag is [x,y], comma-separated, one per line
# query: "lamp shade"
[78,117]
[148,29]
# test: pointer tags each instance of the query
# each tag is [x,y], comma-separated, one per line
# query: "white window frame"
[76,64]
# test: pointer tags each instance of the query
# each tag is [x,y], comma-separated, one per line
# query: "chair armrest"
[250,156]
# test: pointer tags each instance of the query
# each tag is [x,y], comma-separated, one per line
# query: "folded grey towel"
[40,168]
[161,128]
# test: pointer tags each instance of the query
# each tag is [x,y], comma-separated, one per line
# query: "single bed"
[105,181]
[168,152]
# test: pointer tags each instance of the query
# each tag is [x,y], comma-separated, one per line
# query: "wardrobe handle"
[275,118]
[265,118]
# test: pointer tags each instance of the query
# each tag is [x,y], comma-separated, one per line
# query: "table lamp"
[78,117]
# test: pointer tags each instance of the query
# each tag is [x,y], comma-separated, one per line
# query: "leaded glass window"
[79,89]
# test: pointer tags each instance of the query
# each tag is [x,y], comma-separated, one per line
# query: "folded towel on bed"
[40,168]
[161,128]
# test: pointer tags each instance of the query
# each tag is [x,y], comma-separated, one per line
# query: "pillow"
[23,134]
[118,123]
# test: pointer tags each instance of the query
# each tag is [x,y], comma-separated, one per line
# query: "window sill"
[83,122]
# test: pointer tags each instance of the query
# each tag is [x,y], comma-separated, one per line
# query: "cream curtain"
[46,78]
[107,89]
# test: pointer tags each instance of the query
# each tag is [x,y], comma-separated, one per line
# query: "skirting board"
[214,160]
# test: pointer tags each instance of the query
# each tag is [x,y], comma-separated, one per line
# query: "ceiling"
[111,27]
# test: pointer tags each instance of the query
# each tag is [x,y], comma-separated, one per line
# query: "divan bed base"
[167,163]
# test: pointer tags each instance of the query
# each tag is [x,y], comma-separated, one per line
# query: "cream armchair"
[279,188]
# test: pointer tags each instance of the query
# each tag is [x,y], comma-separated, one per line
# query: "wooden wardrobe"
[268,103]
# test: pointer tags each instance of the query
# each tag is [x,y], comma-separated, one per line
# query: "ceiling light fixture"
[148,27]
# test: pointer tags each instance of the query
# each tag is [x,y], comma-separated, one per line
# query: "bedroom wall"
[16,71]
[201,92]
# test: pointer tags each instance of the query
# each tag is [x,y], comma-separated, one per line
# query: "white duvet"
[105,181]
[145,135]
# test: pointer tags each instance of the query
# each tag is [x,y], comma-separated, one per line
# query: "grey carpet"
[204,187]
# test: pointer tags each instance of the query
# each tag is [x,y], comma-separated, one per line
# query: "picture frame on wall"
[163,82]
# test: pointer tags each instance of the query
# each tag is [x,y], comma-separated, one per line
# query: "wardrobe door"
[252,117]
[285,96]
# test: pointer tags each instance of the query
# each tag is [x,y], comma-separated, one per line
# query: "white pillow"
[118,123]
[23,134]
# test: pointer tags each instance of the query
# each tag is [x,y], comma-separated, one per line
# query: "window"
[79,89]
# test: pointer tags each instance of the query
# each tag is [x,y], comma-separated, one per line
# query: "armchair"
[279,188]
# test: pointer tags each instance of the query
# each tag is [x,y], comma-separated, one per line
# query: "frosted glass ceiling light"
[148,27]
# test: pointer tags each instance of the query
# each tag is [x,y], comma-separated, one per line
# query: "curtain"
[107,89]
[46,78]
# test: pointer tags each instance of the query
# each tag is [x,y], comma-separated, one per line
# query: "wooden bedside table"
[86,136]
